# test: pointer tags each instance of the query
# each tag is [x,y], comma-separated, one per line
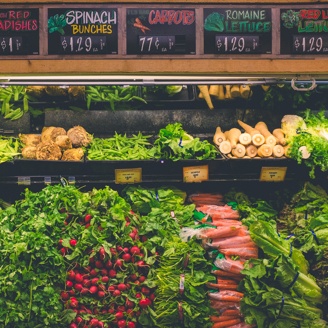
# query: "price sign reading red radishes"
[19,32]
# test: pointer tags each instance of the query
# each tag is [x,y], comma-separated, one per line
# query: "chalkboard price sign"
[304,31]
[86,31]
[160,31]
[237,31]
[237,44]
[19,32]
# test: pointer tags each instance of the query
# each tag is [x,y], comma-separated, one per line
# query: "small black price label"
[310,44]
[83,44]
[237,44]
[157,44]
[11,45]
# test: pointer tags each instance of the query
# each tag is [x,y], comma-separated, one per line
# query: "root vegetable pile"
[251,142]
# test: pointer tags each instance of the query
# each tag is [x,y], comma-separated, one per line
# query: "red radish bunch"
[109,284]
[110,290]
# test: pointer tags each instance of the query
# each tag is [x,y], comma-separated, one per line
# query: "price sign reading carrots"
[124,176]
[273,174]
[160,31]
[195,173]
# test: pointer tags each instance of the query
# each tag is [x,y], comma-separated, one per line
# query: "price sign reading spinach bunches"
[19,32]
[304,31]
[237,31]
[82,31]
[160,31]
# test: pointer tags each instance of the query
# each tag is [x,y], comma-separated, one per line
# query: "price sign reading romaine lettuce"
[237,31]
[88,31]
[160,31]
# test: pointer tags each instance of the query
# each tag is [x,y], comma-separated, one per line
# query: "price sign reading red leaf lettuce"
[160,31]
[237,31]
[304,31]
[19,32]
[87,31]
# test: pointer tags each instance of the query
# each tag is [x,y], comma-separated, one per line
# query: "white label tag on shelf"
[123,176]
[195,173]
[47,180]
[24,181]
[273,174]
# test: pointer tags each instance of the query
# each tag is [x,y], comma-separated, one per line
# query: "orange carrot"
[228,287]
[226,295]
[219,232]
[142,27]
[222,286]
[231,312]
[225,242]
[225,222]
[226,323]
[225,281]
[233,268]
[223,273]
[247,252]
[220,318]
[224,305]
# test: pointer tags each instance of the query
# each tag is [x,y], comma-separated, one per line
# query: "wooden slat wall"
[198,64]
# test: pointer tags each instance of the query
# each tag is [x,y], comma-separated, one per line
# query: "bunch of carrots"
[231,240]
[249,142]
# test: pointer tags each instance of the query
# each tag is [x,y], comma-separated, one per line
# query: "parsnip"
[218,136]
[239,151]
[251,151]
[264,150]
[245,139]
[220,94]
[258,139]
[204,90]
[269,137]
[278,151]
[225,147]
[245,91]
[233,136]
[279,134]
[248,128]
[305,152]
[286,150]
[235,91]
[214,90]
[228,91]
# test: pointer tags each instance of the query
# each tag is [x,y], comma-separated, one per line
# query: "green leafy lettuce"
[175,143]
[266,303]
